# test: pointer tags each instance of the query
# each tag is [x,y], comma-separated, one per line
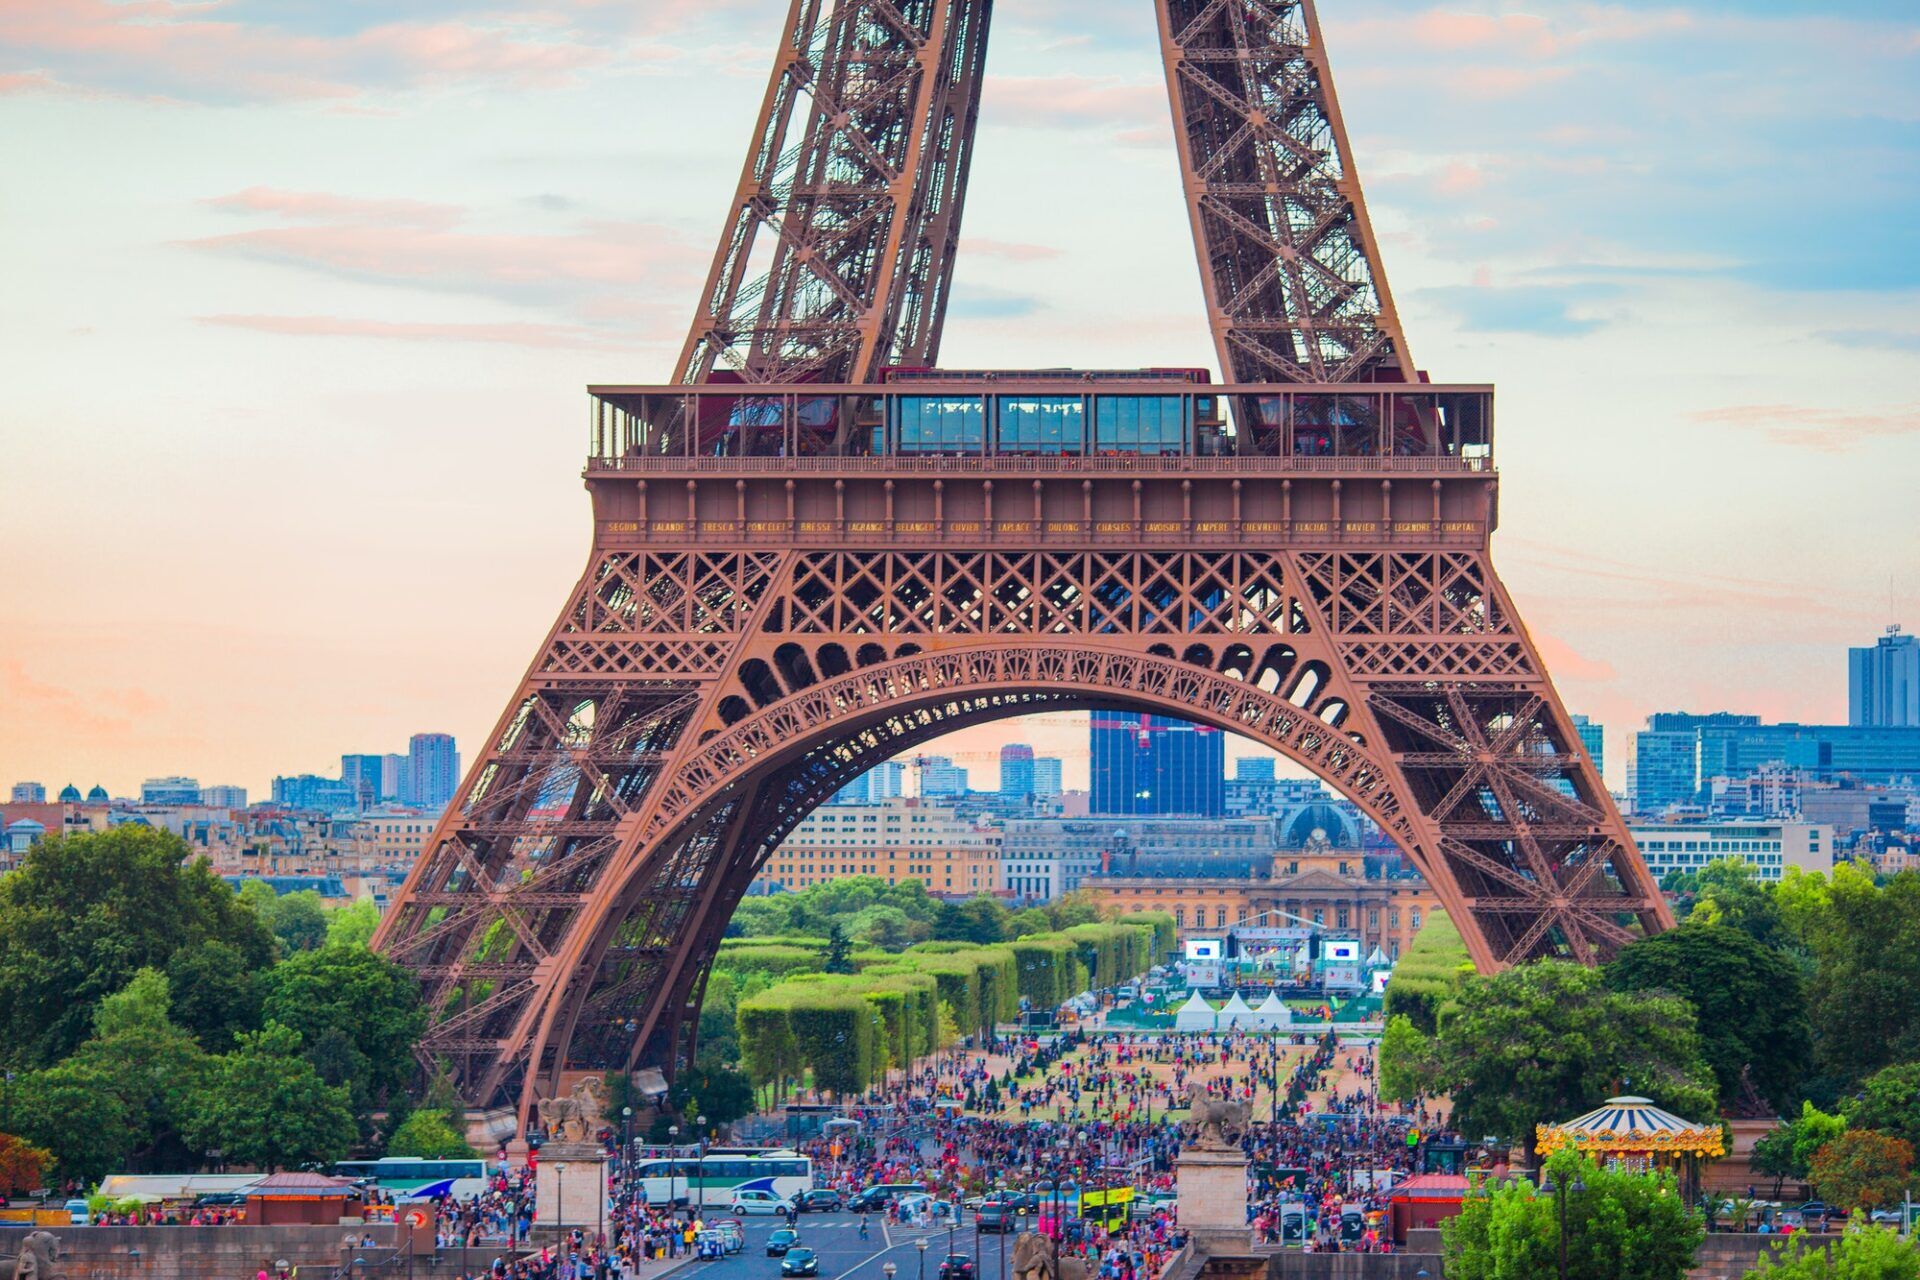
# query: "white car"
[746,1202]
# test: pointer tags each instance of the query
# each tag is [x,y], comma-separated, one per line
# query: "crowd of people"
[1035,1121]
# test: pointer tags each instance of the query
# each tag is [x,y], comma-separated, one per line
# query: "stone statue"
[38,1252]
[1033,1259]
[1213,1124]
[577,1116]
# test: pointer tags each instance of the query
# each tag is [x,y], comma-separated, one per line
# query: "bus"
[712,1179]
[413,1178]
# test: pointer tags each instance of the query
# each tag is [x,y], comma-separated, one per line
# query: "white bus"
[712,1180]
[412,1178]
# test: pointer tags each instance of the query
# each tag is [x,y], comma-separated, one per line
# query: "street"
[845,1256]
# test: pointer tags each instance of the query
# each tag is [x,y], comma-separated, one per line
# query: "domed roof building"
[98,795]
[1317,823]
[69,794]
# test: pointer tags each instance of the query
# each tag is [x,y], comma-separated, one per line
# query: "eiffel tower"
[814,550]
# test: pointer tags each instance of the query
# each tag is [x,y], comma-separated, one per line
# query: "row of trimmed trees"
[847,1030]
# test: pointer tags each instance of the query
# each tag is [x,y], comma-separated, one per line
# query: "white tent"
[1195,1015]
[1272,1013]
[1236,1013]
[1378,960]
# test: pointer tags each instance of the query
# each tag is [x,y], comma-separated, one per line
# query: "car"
[732,1237]
[956,1266]
[1815,1209]
[818,1200]
[800,1261]
[781,1241]
[995,1215]
[745,1202]
[880,1195]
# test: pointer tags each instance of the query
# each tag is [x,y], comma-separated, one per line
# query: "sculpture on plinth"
[1037,1258]
[1213,1124]
[38,1252]
[576,1116]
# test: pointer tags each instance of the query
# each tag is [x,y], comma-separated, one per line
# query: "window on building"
[1416,917]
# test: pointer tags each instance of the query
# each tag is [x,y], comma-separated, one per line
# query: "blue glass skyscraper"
[1147,764]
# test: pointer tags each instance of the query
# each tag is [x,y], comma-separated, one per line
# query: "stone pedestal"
[1212,1189]
[570,1187]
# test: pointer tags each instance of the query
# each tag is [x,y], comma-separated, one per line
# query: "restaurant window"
[1041,424]
[1140,424]
[940,424]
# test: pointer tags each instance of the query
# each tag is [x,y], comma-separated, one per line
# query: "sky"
[300,298]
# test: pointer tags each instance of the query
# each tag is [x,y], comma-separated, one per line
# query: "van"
[77,1214]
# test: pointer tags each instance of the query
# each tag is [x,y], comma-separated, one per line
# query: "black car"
[956,1266]
[819,1200]
[781,1242]
[875,1198]
[800,1261]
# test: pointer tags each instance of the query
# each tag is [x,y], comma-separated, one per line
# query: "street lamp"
[1560,1189]
[626,1152]
[673,1165]
[921,1245]
[888,1270]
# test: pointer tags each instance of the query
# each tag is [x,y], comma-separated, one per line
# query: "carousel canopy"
[1629,1125]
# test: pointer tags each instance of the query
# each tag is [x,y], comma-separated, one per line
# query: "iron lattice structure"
[782,592]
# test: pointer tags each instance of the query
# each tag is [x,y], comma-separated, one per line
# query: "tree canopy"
[84,913]
[1546,1041]
[265,1105]
[1748,998]
[349,996]
[1620,1226]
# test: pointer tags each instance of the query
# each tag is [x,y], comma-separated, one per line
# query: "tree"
[1889,1102]
[429,1135]
[353,924]
[215,993]
[837,951]
[265,1105]
[1866,987]
[372,1003]
[1865,1252]
[1548,1040]
[1620,1226]
[1787,1150]
[1862,1169]
[84,913]
[74,1111]
[1404,1060]
[1727,891]
[714,1090]
[23,1166]
[151,1065]
[1748,999]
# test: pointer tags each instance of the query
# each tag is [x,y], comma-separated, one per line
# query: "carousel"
[1631,1133]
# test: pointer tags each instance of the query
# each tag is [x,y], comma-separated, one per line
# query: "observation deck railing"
[1096,426]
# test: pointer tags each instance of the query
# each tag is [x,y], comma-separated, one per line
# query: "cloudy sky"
[300,296]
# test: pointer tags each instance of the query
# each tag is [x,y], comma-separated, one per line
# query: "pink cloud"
[327,206]
[1459,178]
[1828,430]
[518,335]
[173,49]
[1069,101]
[1006,250]
[1568,664]
[592,258]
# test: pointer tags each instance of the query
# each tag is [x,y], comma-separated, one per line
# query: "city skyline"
[415,293]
